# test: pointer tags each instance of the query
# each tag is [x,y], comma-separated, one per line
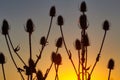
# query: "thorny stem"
[30,47]
[82,70]
[56,67]
[49,29]
[15,51]
[98,56]
[48,70]
[79,65]
[13,58]
[68,52]
[109,74]
[45,41]
[83,53]
[39,55]
[86,63]
[56,77]
[3,71]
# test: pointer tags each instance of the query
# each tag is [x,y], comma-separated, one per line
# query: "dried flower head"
[32,66]
[85,40]
[29,26]
[5,27]
[77,44]
[2,58]
[59,42]
[83,21]
[43,41]
[111,64]
[53,57]
[60,21]
[58,59]
[52,11]
[39,75]
[106,25]
[83,7]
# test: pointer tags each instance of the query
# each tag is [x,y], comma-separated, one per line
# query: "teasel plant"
[55,58]
[110,66]
[60,23]
[5,32]
[106,26]
[83,24]
[2,62]
[29,28]
[44,40]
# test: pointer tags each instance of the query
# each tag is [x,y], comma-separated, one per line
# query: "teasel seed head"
[83,7]
[53,57]
[58,59]
[43,41]
[2,58]
[39,75]
[106,25]
[29,26]
[77,44]
[52,11]
[60,21]
[59,42]
[111,64]
[83,22]
[32,66]
[85,40]
[5,27]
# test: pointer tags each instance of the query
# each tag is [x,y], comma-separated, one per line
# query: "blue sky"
[18,11]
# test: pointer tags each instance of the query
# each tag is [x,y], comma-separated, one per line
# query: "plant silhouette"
[110,67]
[82,70]
[2,62]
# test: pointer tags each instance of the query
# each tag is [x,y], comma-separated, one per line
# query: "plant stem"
[49,28]
[86,62]
[48,70]
[56,77]
[79,65]
[109,74]
[13,58]
[97,59]
[30,47]
[3,71]
[45,41]
[15,51]
[68,53]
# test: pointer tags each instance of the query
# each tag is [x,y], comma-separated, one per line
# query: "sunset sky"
[16,12]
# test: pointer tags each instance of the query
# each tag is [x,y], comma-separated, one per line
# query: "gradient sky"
[18,11]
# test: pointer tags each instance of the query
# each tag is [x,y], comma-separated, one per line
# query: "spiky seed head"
[29,26]
[83,21]
[60,21]
[5,27]
[53,57]
[77,44]
[2,58]
[43,41]
[111,64]
[85,40]
[52,11]
[58,59]
[106,25]
[39,75]
[59,42]
[83,7]
[32,66]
